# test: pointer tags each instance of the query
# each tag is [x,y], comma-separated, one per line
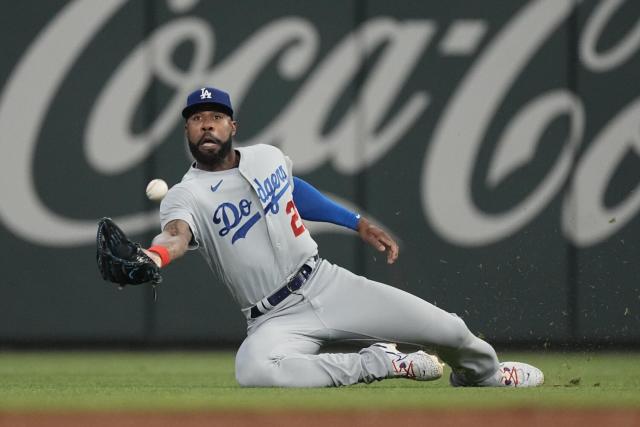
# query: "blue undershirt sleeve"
[315,206]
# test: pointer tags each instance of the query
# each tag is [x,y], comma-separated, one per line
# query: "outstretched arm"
[315,206]
[171,244]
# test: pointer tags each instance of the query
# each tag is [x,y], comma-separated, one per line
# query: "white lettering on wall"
[23,106]
[586,220]
[615,56]
[449,162]
[357,141]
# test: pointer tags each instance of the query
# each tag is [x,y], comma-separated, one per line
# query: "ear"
[234,127]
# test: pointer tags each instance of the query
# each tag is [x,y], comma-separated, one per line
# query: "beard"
[206,157]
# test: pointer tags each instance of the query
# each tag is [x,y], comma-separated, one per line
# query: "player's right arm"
[174,238]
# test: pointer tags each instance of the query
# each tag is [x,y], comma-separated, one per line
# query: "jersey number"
[296,225]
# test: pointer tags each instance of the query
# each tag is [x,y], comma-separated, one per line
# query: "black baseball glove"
[122,261]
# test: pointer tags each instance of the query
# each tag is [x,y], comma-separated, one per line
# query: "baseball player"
[242,208]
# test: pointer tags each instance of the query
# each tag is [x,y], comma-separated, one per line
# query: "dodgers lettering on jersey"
[230,215]
[267,190]
[245,222]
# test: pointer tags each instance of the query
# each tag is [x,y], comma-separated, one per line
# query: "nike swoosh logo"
[215,187]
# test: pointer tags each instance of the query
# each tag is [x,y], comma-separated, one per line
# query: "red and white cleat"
[419,366]
[518,374]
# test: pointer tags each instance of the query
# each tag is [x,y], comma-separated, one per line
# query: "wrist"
[163,253]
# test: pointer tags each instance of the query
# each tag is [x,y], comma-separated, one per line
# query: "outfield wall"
[499,141]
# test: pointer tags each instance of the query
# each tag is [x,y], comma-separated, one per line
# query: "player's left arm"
[315,206]
[379,239]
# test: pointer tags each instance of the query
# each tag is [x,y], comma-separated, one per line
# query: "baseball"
[157,189]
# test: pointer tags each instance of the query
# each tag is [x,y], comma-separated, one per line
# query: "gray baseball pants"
[282,346]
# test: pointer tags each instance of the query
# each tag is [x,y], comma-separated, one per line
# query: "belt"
[296,282]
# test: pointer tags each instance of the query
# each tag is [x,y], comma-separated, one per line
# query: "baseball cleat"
[509,374]
[419,366]
[518,374]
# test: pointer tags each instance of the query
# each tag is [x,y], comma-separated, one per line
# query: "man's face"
[209,134]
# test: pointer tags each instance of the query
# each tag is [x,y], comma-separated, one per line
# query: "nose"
[207,124]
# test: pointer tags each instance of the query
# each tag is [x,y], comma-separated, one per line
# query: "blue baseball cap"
[207,97]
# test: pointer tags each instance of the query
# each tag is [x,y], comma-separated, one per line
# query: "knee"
[249,372]
[243,376]
[254,370]
[247,377]
[264,374]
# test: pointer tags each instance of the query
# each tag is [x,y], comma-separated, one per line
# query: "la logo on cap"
[205,93]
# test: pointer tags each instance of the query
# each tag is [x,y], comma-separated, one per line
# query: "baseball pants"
[282,346]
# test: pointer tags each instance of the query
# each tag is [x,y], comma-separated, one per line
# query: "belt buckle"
[289,283]
[300,276]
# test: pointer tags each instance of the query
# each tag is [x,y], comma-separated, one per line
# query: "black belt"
[277,297]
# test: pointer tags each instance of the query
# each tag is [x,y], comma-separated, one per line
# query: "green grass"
[205,381]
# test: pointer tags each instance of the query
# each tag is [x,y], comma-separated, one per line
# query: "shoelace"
[512,376]
[403,368]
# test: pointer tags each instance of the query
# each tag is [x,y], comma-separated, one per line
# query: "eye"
[195,117]
[218,117]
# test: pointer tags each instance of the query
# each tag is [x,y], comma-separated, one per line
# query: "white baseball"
[157,189]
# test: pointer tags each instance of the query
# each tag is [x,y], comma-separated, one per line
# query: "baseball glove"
[122,261]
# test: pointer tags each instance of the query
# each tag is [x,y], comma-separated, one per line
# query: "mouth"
[209,141]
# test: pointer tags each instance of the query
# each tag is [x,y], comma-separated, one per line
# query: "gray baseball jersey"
[247,227]
[245,222]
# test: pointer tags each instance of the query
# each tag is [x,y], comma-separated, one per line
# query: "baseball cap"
[207,96]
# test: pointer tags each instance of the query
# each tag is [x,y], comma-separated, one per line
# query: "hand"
[154,256]
[379,239]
